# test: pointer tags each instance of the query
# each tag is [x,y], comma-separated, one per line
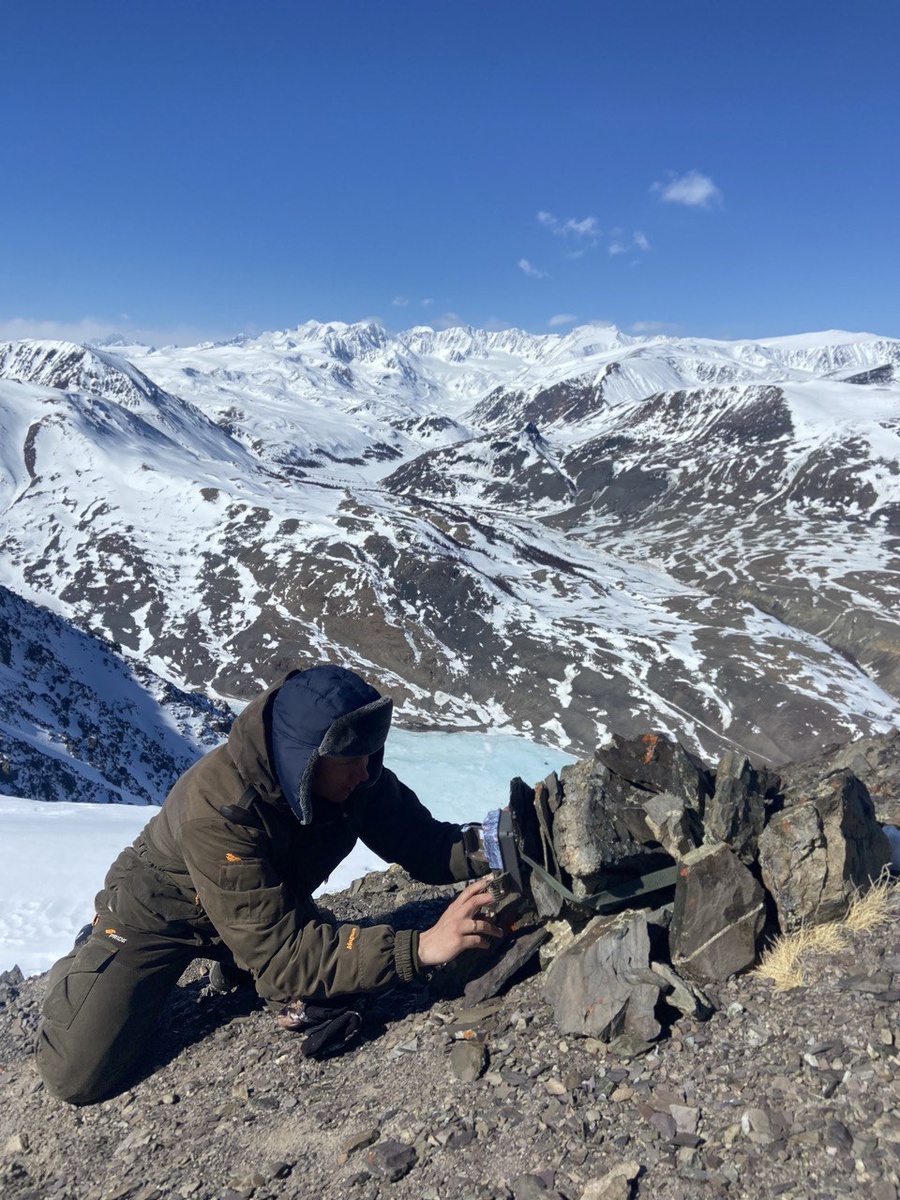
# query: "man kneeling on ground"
[226,870]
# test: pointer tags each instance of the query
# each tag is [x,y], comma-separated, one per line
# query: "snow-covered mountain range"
[560,535]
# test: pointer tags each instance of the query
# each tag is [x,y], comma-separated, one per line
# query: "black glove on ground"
[328,1029]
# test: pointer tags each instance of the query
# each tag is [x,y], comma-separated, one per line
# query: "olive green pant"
[102,1004]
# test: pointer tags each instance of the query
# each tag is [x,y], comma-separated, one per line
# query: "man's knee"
[70,1078]
[83,1052]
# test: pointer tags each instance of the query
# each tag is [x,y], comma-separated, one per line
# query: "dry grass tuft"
[786,961]
[781,963]
[875,907]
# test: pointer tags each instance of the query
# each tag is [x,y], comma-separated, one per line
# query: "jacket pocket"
[145,898]
[247,875]
[66,998]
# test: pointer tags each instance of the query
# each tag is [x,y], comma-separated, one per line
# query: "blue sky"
[188,168]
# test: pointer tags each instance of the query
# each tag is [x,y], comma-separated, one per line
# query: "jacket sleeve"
[292,953]
[398,827]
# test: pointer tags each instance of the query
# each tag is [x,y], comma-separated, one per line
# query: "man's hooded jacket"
[241,843]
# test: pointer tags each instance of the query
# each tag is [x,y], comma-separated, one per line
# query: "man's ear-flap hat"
[325,711]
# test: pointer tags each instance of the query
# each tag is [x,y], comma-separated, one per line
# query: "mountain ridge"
[78,723]
[562,535]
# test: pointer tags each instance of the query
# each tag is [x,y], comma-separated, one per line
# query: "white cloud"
[586,228]
[693,189]
[427,302]
[448,320]
[400,301]
[651,327]
[530,270]
[562,319]
[622,244]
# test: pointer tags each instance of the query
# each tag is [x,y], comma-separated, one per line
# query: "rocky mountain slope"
[791,1094]
[78,723]
[565,536]
[460,1089]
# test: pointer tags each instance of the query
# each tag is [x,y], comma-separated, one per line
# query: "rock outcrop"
[820,848]
[718,914]
[645,821]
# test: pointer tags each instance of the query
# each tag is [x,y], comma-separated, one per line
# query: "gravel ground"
[790,1094]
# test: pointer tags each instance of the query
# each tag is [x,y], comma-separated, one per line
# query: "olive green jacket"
[208,867]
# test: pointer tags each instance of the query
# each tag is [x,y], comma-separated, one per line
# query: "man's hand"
[460,928]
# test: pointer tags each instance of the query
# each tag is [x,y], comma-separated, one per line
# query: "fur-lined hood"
[326,710]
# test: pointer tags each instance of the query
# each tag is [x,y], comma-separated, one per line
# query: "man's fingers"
[461,927]
[482,928]
[478,887]
[477,897]
[473,897]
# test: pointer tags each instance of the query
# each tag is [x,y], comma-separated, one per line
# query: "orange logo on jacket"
[352,938]
[229,857]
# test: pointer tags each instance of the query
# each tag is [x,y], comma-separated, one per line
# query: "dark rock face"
[623,812]
[600,830]
[572,400]
[736,812]
[883,374]
[675,825]
[718,915]
[515,470]
[824,845]
[874,761]
[590,984]
[658,764]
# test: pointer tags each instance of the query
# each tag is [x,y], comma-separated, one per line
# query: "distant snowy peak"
[84,373]
[819,352]
[833,358]
[370,342]
[69,367]
[462,372]
[459,344]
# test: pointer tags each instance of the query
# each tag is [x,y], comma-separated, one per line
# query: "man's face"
[336,778]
